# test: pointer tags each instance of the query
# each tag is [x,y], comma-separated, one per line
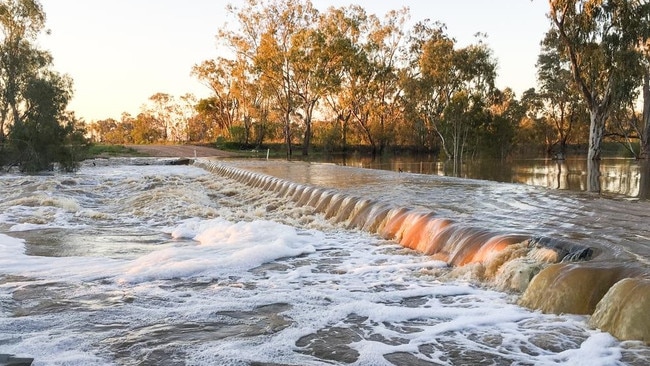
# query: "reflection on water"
[611,176]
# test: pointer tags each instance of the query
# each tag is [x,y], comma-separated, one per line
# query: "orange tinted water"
[474,223]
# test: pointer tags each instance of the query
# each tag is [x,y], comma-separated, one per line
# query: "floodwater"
[617,176]
[135,262]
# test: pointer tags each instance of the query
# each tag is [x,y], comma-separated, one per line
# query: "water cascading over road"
[553,275]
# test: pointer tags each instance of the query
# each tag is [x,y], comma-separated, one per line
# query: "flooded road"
[133,262]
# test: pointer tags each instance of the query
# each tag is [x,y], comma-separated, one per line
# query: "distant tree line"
[36,131]
[342,78]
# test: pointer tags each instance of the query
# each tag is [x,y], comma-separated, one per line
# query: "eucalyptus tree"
[220,75]
[383,91]
[112,131]
[534,129]
[449,86]
[596,36]
[159,111]
[343,28]
[503,116]
[45,132]
[145,129]
[169,115]
[256,105]
[563,108]
[184,111]
[35,128]
[203,126]
[465,115]
[430,84]
[626,126]
[370,90]
[600,38]
[320,57]
[645,114]
[20,22]
[106,131]
[127,125]
[356,99]
[310,76]
[264,41]
[638,34]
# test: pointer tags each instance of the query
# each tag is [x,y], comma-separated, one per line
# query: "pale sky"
[121,52]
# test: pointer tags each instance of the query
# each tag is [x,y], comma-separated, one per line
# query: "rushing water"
[127,263]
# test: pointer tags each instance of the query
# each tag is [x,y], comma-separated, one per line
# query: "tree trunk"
[596,131]
[307,138]
[443,143]
[247,129]
[344,130]
[286,80]
[593,175]
[287,136]
[287,130]
[644,181]
[363,121]
[3,118]
[645,136]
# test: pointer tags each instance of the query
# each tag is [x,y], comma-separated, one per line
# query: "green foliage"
[601,41]
[328,136]
[145,129]
[348,78]
[33,99]
[102,150]
[46,135]
[239,135]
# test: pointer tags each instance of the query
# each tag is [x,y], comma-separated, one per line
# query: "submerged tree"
[645,114]
[344,28]
[449,87]
[45,133]
[497,134]
[20,22]
[600,39]
[596,38]
[562,107]
[33,99]
[630,118]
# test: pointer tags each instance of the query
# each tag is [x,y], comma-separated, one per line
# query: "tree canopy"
[35,128]
[342,78]
[602,41]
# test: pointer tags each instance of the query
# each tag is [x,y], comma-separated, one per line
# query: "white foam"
[222,247]
[12,249]
[364,269]
[75,310]
[598,349]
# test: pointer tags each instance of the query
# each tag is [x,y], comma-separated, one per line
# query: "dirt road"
[180,151]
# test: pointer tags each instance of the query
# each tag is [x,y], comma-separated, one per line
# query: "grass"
[101,150]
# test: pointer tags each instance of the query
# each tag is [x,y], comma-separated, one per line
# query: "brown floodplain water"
[566,251]
[256,262]
[618,177]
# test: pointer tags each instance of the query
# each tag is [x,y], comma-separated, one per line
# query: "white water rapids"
[124,263]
